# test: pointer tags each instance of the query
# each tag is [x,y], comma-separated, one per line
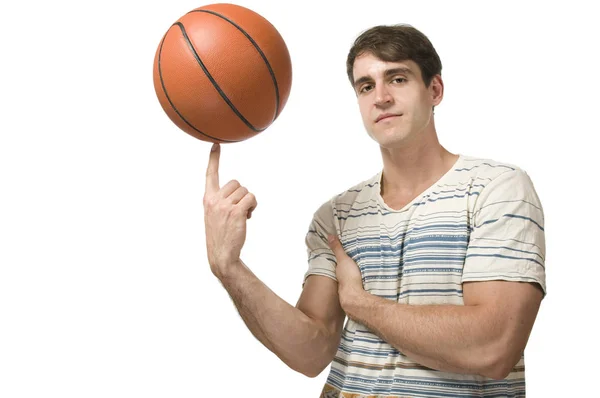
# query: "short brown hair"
[396,43]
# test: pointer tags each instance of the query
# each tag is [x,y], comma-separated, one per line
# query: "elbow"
[313,367]
[310,369]
[497,372]
[315,357]
[312,372]
[499,363]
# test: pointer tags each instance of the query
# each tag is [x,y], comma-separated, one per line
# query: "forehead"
[368,65]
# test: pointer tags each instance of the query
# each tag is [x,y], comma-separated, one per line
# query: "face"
[395,105]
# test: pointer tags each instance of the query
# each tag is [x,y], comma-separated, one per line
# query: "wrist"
[227,270]
[352,300]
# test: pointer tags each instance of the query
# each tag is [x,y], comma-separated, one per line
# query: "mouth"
[386,117]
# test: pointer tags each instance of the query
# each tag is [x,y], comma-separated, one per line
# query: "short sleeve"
[321,260]
[507,239]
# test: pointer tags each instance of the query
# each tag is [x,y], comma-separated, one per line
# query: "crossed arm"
[486,336]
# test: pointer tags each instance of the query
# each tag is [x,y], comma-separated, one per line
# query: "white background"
[105,290]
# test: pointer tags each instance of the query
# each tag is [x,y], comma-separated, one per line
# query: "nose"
[382,96]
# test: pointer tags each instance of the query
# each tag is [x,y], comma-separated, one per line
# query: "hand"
[225,212]
[347,272]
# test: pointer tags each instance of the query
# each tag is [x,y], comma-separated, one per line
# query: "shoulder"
[361,191]
[498,179]
[488,174]
[488,169]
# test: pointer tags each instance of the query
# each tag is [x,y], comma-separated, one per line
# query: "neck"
[416,165]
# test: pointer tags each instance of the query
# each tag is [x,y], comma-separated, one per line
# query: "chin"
[389,139]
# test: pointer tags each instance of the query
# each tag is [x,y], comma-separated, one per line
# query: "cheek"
[417,112]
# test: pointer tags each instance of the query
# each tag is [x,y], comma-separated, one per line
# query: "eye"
[365,88]
[398,79]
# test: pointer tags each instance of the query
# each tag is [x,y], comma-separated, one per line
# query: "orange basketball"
[222,73]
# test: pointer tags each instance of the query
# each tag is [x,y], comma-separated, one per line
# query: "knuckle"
[208,201]
[240,211]
[235,212]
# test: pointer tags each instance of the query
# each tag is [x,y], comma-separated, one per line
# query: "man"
[437,260]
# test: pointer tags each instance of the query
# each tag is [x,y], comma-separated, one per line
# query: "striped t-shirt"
[480,221]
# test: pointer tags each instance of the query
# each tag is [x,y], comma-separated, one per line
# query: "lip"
[386,116]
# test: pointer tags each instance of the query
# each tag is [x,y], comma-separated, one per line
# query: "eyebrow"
[387,73]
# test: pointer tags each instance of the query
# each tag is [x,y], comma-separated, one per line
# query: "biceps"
[511,306]
[320,301]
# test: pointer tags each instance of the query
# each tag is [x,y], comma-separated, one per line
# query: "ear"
[436,90]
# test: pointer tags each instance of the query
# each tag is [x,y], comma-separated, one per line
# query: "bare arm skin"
[304,337]
[485,336]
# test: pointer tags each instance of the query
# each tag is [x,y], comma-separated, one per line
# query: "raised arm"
[304,337]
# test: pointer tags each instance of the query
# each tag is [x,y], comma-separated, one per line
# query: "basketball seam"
[257,47]
[162,83]
[214,82]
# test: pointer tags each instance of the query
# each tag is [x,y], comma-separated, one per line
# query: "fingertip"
[215,147]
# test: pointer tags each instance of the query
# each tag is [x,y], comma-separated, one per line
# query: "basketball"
[222,73]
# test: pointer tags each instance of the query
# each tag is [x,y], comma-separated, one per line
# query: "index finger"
[212,172]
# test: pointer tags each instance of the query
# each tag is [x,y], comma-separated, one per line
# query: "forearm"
[451,338]
[302,343]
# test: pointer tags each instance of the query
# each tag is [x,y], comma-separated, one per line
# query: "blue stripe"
[458,189]
[460,257]
[507,257]
[401,237]
[378,341]
[460,227]
[512,216]
[429,269]
[329,255]
[374,354]
[355,383]
[525,218]
[408,291]
[509,201]
[505,247]
[382,213]
[357,209]
[439,238]
[352,384]
[472,275]
[486,164]
[507,240]
[446,382]
[448,197]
